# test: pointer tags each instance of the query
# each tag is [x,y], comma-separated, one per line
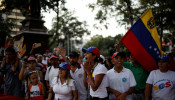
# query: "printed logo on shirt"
[35,93]
[162,84]
[124,79]
[80,75]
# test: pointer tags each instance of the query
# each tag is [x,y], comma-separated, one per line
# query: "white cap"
[101,56]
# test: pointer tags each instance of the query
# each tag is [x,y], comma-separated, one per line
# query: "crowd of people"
[55,76]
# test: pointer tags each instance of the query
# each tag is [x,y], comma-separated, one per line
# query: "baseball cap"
[164,58]
[122,54]
[102,57]
[31,59]
[65,65]
[47,50]
[53,57]
[93,50]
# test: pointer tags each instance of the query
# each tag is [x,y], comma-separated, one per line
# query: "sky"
[83,13]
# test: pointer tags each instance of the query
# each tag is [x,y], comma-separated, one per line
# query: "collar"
[79,66]
[65,83]
[123,70]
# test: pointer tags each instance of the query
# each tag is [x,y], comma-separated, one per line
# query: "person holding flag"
[143,42]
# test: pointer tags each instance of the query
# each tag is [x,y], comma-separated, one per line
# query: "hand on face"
[88,67]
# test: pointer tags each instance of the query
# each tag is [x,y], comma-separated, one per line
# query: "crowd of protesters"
[55,76]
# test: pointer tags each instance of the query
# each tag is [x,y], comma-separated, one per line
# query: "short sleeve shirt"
[78,76]
[120,81]
[140,74]
[63,91]
[13,85]
[163,85]
[51,74]
[101,92]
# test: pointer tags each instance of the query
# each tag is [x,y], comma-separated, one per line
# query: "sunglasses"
[29,73]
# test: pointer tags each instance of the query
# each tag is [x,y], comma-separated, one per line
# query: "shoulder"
[101,67]
[71,82]
[110,71]
[127,70]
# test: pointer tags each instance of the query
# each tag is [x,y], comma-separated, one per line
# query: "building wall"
[16,17]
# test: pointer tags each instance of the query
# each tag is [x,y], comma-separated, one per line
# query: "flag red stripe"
[139,52]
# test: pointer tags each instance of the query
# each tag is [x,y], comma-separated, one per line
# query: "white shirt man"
[120,81]
[78,76]
[50,74]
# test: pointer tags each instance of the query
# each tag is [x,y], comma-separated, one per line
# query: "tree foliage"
[128,12]
[5,29]
[68,25]
[23,5]
[105,45]
[125,9]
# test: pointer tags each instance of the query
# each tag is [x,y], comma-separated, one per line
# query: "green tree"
[127,10]
[23,5]
[68,27]
[105,45]
[5,29]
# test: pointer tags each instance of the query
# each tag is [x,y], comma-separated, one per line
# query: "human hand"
[116,93]
[26,97]
[88,67]
[122,96]
[24,63]
[61,51]
[4,62]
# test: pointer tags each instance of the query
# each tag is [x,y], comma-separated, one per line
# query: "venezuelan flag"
[23,51]
[5,46]
[143,42]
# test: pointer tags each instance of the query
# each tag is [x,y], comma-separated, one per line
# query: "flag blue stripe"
[145,38]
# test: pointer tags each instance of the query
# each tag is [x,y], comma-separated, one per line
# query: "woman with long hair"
[63,85]
[95,72]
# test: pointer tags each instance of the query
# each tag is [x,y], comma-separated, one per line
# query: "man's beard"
[73,63]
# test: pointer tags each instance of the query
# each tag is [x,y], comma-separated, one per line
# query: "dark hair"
[108,59]
[10,49]
[101,60]
[9,39]
[96,59]
[74,54]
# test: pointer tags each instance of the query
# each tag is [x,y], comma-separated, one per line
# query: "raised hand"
[88,67]
[61,51]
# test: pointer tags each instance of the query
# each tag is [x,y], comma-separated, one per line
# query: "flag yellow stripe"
[145,18]
[23,50]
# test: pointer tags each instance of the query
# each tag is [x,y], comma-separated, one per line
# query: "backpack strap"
[40,87]
[49,68]
[30,86]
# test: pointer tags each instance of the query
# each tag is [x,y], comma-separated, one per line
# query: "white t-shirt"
[78,76]
[35,91]
[101,92]
[44,61]
[51,74]
[163,85]
[120,81]
[62,91]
